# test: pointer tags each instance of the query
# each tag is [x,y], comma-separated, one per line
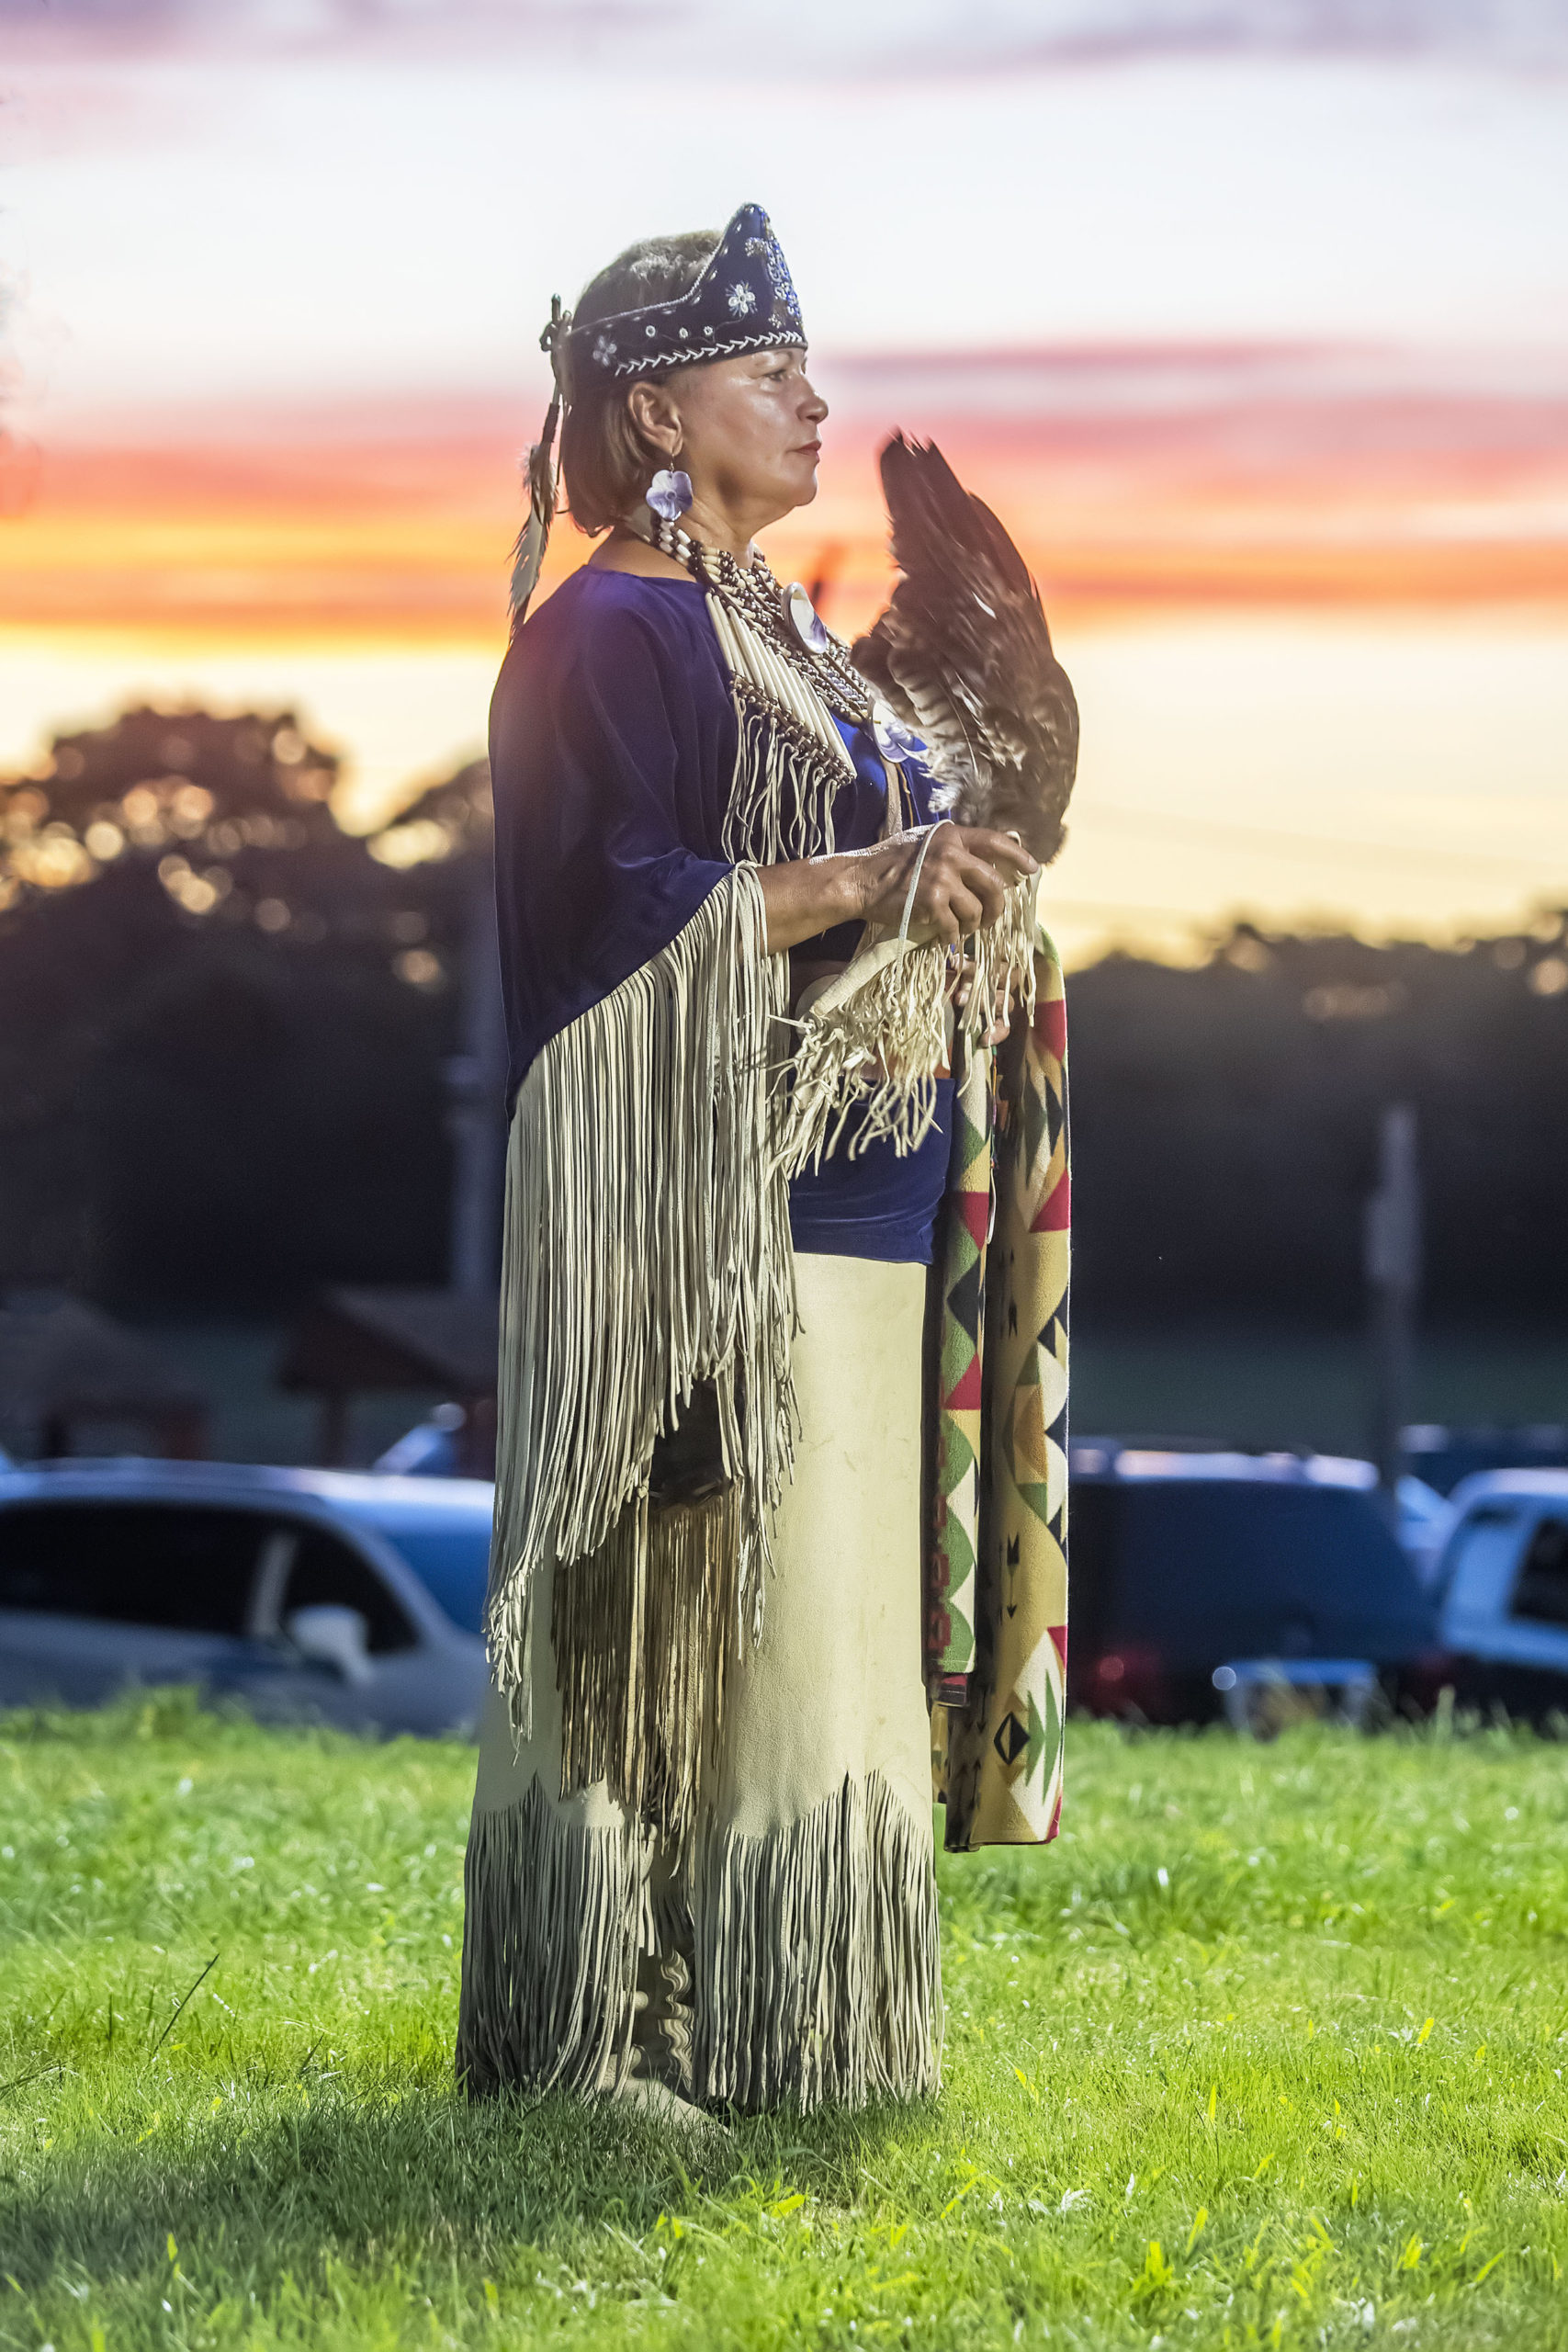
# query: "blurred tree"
[228,1026]
[197,794]
[221,1071]
[1225,1120]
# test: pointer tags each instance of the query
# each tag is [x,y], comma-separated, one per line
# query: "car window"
[174,1565]
[1541,1593]
[324,1569]
[1477,1567]
[451,1560]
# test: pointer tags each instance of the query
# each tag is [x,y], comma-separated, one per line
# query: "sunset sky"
[1252,324]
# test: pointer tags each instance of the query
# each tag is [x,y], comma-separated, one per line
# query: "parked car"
[1204,1583]
[427,1450]
[1502,1588]
[354,1599]
[1422,1522]
[1443,1456]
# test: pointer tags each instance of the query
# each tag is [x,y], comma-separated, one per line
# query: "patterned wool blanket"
[996,1564]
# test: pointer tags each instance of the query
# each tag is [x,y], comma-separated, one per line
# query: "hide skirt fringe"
[779,1944]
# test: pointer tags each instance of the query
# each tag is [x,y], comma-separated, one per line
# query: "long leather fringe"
[875,1038]
[818,1965]
[817,1958]
[555,1915]
[781,803]
[647,1249]
[643,1630]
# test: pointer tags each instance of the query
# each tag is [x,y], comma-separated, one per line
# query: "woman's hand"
[965,876]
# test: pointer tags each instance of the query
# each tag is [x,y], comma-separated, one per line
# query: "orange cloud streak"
[396,526]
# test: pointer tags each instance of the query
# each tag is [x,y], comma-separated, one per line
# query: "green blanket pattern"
[995,1561]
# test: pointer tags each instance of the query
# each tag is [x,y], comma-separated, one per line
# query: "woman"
[700,1866]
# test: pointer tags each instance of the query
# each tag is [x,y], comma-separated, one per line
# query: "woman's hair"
[604,457]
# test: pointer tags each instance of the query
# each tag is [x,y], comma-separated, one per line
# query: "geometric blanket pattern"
[996,1611]
[954,1533]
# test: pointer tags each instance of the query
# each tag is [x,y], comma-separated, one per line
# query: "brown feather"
[964,655]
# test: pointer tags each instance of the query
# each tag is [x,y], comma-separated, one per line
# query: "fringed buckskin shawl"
[647,1252]
[648,1264]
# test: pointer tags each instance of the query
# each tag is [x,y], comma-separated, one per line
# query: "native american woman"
[780,1503]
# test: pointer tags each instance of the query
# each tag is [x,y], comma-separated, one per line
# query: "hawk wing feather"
[964,655]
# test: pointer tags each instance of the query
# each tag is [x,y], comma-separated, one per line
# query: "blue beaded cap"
[744,301]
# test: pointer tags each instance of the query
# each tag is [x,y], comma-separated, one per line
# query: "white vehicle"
[351,1599]
[1502,1586]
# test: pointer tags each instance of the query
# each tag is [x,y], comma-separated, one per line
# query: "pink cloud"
[1154,478]
[902,36]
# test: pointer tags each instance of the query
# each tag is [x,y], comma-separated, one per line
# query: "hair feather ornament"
[528,553]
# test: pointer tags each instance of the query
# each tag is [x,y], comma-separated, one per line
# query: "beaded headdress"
[744,300]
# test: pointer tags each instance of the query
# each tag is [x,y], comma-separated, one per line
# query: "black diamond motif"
[1012,1740]
[963,1298]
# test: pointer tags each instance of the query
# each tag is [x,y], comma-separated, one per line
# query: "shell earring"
[670,494]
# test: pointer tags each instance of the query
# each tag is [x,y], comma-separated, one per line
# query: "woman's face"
[748,432]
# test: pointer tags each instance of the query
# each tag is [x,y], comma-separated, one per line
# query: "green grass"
[1268,2049]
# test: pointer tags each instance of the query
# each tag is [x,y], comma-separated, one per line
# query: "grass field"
[1268,2049]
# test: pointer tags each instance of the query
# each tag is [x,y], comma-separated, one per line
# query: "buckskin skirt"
[781,1945]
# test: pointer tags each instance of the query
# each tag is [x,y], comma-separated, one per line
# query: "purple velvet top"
[612,743]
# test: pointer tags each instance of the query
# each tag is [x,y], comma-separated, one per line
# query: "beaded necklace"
[806,644]
[790,677]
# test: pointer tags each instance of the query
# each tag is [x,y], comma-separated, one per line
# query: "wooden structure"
[351,1342]
[63,1366]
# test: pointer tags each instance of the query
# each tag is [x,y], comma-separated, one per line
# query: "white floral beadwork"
[742,299]
[604,350]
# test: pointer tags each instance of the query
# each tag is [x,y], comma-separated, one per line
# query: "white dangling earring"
[670,494]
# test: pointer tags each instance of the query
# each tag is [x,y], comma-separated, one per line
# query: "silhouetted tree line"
[224,1024]
[224,1018]
[1224,1123]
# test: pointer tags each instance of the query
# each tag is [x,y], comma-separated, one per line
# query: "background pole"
[476,1084]
[1393,1260]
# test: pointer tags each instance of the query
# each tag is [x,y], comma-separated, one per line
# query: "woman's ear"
[656,417]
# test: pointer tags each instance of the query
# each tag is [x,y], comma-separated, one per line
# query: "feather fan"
[963,656]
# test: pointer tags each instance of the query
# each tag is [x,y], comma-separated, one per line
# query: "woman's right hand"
[965,876]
